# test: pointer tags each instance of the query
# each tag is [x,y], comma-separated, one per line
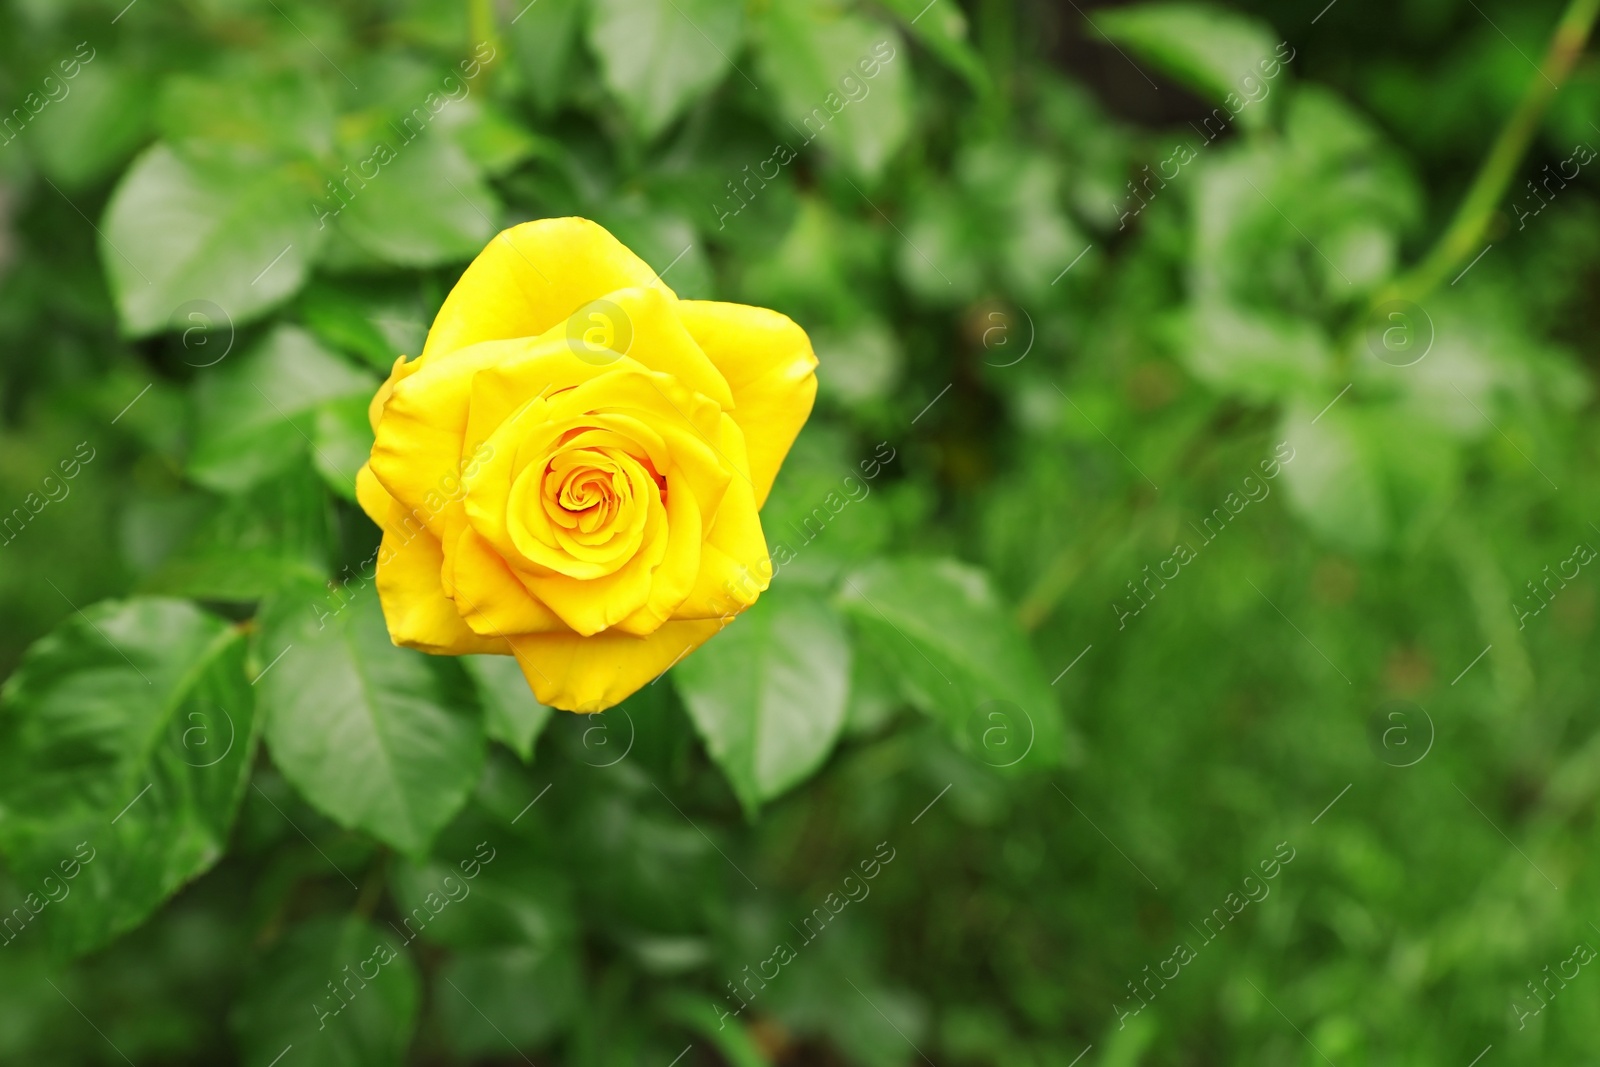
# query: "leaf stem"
[1465,233]
[484,30]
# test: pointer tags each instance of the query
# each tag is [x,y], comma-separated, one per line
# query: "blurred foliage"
[1154,532]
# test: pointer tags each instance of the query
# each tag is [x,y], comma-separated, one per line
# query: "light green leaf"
[1259,355]
[842,79]
[1332,482]
[493,141]
[865,362]
[664,240]
[512,715]
[1216,52]
[126,738]
[247,113]
[254,415]
[874,697]
[108,114]
[657,56]
[341,442]
[543,35]
[241,237]
[338,992]
[767,694]
[960,656]
[380,738]
[426,205]
[1364,475]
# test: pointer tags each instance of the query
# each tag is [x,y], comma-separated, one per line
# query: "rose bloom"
[572,470]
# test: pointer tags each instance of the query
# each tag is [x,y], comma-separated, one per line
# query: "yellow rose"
[571,471]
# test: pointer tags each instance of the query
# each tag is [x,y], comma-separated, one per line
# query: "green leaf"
[508,916]
[942,28]
[364,320]
[253,544]
[341,441]
[960,656]
[426,203]
[1332,482]
[1366,475]
[108,117]
[512,715]
[247,114]
[874,697]
[542,36]
[767,694]
[338,992]
[255,415]
[657,56]
[1218,53]
[735,1043]
[1260,355]
[494,1002]
[493,141]
[239,236]
[661,239]
[516,899]
[379,738]
[126,738]
[842,79]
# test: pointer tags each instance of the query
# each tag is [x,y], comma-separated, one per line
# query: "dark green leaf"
[332,993]
[495,1002]
[251,545]
[1226,57]
[942,28]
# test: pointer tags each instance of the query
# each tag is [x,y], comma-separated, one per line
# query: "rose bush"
[571,471]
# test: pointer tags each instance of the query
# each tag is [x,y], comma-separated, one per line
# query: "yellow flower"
[571,471]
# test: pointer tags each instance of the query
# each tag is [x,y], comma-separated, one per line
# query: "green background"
[1186,652]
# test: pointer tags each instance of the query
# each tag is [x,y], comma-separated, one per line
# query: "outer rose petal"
[419,615]
[576,673]
[734,564]
[532,277]
[768,363]
[418,444]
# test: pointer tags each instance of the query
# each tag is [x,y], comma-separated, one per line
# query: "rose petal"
[531,277]
[418,613]
[769,366]
[576,673]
